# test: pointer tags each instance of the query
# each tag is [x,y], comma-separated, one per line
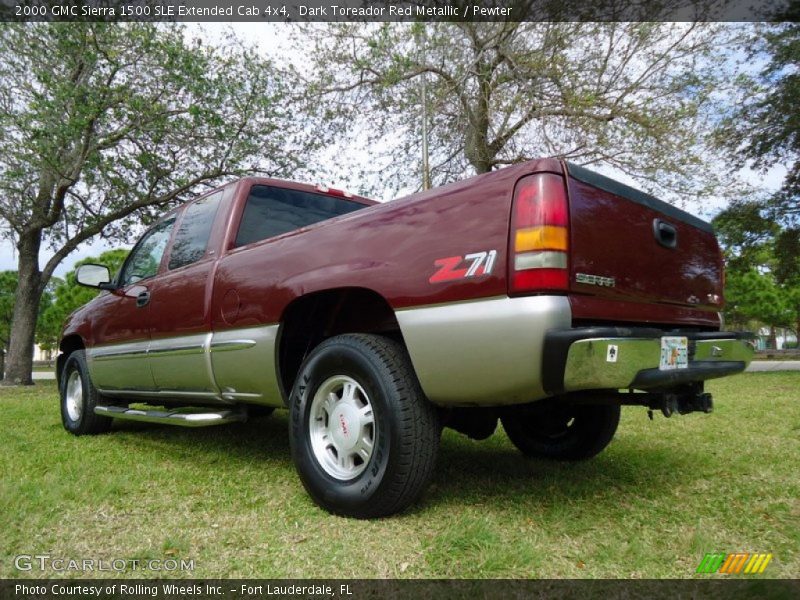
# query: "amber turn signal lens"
[544,237]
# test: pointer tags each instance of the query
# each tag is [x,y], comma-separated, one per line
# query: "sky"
[272,40]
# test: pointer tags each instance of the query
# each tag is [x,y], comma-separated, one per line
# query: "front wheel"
[548,429]
[79,397]
[364,438]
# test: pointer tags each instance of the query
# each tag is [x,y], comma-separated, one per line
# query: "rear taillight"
[539,241]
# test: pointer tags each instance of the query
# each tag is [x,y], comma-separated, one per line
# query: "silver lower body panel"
[225,367]
[485,352]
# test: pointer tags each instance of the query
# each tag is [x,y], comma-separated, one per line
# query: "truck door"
[118,360]
[180,325]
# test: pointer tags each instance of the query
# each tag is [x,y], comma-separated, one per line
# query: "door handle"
[666,233]
[143,299]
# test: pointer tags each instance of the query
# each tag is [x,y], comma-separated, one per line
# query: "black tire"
[405,429]
[549,429]
[79,418]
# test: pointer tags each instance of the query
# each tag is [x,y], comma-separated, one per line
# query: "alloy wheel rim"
[74,396]
[342,427]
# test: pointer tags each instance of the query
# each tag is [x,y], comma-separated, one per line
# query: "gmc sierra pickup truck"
[543,296]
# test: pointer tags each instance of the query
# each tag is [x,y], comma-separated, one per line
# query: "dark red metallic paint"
[611,236]
[391,249]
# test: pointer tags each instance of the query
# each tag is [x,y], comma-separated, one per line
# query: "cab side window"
[145,258]
[271,211]
[191,239]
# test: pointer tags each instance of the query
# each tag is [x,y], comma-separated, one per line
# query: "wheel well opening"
[311,319]
[68,345]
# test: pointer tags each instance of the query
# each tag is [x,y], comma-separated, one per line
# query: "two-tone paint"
[211,329]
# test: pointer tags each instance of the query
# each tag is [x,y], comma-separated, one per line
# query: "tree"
[754,295]
[764,130]
[629,95]
[102,125]
[67,296]
[747,235]
[8,284]
[47,332]
[763,276]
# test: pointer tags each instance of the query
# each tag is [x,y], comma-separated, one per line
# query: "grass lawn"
[663,494]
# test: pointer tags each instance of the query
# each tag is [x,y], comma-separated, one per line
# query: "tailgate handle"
[666,233]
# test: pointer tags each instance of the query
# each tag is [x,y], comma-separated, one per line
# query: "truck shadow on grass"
[468,472]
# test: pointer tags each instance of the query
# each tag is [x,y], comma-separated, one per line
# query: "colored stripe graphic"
[711,563]
[734,564]
[767,558]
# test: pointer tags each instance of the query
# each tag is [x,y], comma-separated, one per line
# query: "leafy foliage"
[746,234]
[8,285]
[763,274]
[755,296]
[762,235]
[765,129]
[632,96]
[68,296]
[102,125]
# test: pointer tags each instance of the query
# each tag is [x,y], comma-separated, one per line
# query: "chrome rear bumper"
[621,358]
[505,351]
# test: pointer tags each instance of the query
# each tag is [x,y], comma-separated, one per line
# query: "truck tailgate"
[629,246]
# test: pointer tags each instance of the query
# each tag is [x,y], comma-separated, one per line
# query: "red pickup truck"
[543,295]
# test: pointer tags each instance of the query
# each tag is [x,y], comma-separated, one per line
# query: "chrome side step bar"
[181,417]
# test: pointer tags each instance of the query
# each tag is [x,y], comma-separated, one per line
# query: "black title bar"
[353,589]
[394,10]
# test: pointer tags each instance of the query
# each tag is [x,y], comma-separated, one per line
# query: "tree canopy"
[102,125]
[101,122]
[762,277]
[632,96]
[764,130]
[67,296]
[762,234]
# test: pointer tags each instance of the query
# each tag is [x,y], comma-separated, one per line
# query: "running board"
[180,417]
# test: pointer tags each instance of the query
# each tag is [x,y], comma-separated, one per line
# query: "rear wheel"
[364,437]
[79,397]
[548,429]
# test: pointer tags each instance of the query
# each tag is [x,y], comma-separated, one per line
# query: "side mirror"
[94,276]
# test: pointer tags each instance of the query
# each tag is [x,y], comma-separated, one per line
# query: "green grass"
[664,493]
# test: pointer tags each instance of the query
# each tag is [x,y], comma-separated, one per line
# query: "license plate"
[674,353]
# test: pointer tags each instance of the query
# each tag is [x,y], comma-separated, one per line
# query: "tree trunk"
[476,144]
[2,362]
[773,337]
[26,309]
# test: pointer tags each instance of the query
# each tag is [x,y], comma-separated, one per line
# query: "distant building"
[40,355]
[783,338]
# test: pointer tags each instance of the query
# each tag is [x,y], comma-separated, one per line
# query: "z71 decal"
[464,267]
